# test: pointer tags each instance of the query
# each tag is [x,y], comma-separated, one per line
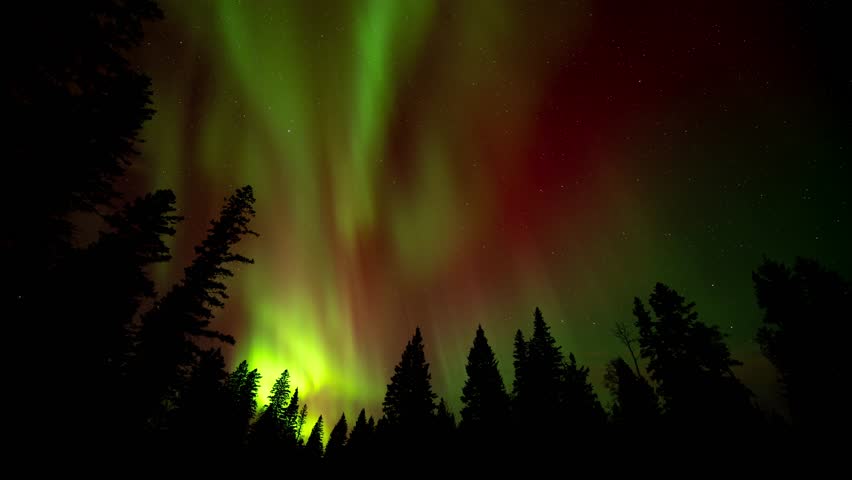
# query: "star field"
[449,164]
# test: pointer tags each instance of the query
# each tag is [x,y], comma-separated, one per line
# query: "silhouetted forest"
[138,374]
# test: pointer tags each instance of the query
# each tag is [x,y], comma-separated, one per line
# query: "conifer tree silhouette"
[408,424]
[409,401]
[78,106]
[241,388]
[486,403]
[166,350]
[578,402]
[291,419]
[107,282]
[799,305]
[538,369]
[313,447]
[690,363]
[269,429]
[545,360]
[361,438]
[335,451]
[303,417]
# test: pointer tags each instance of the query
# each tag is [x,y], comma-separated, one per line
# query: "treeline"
[676,388]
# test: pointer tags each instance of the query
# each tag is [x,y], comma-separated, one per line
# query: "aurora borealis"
[448,164]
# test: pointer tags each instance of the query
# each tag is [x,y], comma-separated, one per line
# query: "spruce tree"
[335,451]
[241,391]
[486,403]
[166,349]
[538,369]
[409,400]
[690,363]
[291,418]
[279,395]
[578,403]
[105,284]
[303,417]
[800,304]
[115,270]
[545,356]
[269,429]
[361,437]
[78,105]
[313,448]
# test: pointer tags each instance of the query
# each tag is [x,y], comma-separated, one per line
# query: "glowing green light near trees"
[446,164]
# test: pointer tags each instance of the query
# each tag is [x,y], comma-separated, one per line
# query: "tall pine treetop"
[538,369]
[279,395]
[290,417]
[690,362]
[544,355]
[484,394]
[409,398]
[335,449]
[361,432]
[542,344]
[241,384]
[314,445]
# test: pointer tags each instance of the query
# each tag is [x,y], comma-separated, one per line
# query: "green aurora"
[448,164]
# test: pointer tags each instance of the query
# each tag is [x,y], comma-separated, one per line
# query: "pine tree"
[361,437]
[290,419]
[800,304]
[578,403]
[486,403]
[303,417]
[538,370]
[115,269]
[545,356]
[335,451]
[409,401]
[78,105]
[270,427]
[279,395]
[690,363]
[166,348]
[105,284]
[241,390]
[313,448]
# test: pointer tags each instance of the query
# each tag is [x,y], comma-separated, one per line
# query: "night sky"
[460,163]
